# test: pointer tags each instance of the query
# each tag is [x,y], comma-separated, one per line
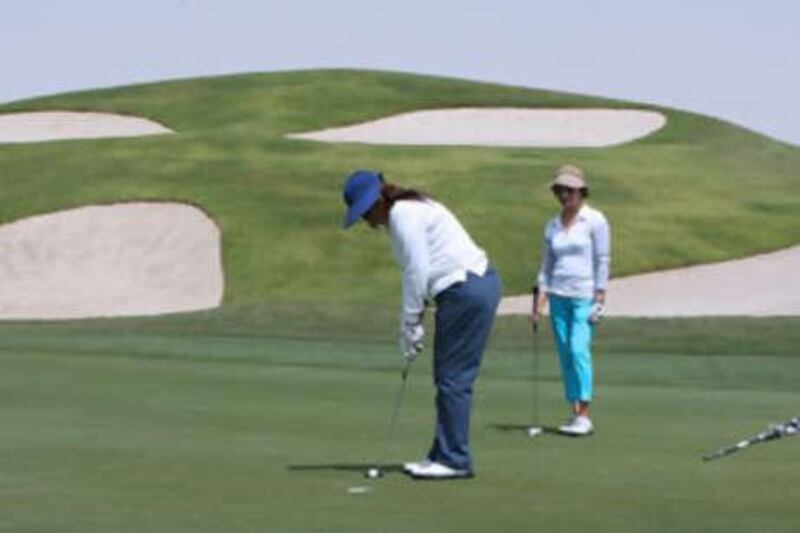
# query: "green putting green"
[134,430]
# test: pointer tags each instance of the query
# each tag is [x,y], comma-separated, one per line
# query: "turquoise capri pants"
[573,334]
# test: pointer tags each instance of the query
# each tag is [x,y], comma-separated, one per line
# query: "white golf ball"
[373,473]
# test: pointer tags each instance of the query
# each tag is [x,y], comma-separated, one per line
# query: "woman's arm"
[601,257]
[411,251]
[546,265]
[545,273]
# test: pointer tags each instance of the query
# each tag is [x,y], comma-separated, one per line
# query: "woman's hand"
[410,339]
[539,303]
[598,307]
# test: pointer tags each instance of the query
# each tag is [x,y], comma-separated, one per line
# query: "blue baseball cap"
[361,190]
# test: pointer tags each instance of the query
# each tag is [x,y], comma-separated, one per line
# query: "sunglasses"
[558,190]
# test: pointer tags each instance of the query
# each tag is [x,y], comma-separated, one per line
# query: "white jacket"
[576,261]
[433,251]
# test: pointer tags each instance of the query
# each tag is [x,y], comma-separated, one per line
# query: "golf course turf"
[262,414]
[131,430]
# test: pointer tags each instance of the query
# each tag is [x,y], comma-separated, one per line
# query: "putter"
[535,428]
[377,470]
[789,428]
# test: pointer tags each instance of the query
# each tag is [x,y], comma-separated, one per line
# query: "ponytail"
[391,193]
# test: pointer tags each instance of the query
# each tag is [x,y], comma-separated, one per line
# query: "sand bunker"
[43,126]
[500,127]
[116,260]
[762,285]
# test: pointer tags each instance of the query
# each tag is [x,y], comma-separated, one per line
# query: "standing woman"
[572,278]
[439,260]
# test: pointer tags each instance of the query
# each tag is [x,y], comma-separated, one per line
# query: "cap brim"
[360,208]
[570,181]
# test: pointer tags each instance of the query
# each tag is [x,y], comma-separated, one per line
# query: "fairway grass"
[143,431]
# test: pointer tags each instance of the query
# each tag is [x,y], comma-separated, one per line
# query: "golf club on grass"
[787,429]
[376,471]
[535,428]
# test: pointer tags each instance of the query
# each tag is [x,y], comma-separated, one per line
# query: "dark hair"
[392,193]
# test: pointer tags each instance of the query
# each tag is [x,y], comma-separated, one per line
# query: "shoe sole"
[576,435]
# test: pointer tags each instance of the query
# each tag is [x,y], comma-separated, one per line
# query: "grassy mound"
[698,190]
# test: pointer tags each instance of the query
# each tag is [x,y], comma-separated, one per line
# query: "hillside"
[696,191]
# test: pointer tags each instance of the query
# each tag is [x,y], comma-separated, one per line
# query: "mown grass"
[699,190]
[157,431]
[261,414]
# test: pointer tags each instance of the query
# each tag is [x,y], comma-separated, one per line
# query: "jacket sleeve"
[546,266]
[410,245]
[601,252]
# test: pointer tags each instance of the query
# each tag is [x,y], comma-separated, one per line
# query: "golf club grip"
[535,309]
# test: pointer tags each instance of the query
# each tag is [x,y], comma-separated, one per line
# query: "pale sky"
[737,59]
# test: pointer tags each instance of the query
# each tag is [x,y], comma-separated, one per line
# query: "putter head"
[534,431]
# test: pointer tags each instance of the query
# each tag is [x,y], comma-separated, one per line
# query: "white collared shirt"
[576,260]
[433,251]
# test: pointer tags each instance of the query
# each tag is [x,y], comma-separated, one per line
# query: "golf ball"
[373,473]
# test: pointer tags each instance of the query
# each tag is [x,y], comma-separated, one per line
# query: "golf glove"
[598,310]
[411,334]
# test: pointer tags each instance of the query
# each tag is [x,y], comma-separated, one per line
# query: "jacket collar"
[583,215]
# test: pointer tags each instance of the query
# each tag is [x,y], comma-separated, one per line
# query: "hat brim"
[570,181]
[359,208]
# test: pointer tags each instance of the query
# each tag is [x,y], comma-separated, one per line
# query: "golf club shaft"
[398,401]
[787,429]
[535,376]
[741,445]
[722,452]
[535,330]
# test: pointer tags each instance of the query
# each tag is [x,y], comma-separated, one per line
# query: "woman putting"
[438,260]
[573,277]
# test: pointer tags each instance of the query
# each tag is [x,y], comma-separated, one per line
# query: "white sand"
[500,127]
[762,285]
[116,260]
[43,126]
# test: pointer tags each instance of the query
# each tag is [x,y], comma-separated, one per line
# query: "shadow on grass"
[344,467]
[523,428]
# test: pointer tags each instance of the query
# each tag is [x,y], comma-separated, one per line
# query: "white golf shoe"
[579,426]
[408,468]
[434,470]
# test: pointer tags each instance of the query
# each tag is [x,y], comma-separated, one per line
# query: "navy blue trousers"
[464,316]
